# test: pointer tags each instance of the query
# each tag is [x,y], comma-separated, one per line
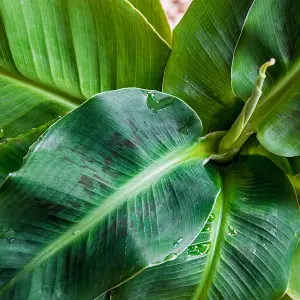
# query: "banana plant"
[140,163]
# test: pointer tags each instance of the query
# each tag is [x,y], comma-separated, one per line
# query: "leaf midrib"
[218,234]
[40,88]
[143,180]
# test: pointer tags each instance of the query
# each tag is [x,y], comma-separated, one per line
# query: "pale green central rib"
[218,233]
[60,97]
[145,179]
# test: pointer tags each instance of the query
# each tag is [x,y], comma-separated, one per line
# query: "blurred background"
[175,10]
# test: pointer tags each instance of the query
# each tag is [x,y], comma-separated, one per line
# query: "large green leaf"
[54,54]
[155,15]
[13,150]
[99,195]
[294,281]
[245,249]
[294,163]
[289,165]
[199,67]
[272,30]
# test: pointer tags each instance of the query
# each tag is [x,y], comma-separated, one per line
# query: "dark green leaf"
[55,54]
[294,281]
[13,150]
[245,249]
[112,188]
[290,166]
[272,30]
[199,67]
[155,15]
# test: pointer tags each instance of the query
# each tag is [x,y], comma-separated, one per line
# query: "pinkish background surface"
[175,10]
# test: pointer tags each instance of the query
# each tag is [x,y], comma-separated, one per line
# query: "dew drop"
[1,133]
[156,104]
[170,257]
[204,248]
[206,228]
[152,103]
[76,231]
[193,250]
[200,249]
[177,242]
[211,218]
[11,240]
[231,231]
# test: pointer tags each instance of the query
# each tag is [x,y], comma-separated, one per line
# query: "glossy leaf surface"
[156,16]
[98,196]
[199,67]
[272,30]
[13,150]
[294,283]
[55,54]
[245,249]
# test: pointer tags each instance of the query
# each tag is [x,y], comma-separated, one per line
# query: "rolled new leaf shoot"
[234,137]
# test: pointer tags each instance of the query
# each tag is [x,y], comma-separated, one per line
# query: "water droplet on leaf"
[171,256]
[204,248]
[156,104]
[200,249]
[231,231]
[211,217]
[206,228]
[193,250]
[76,231]
[177,242]
[11,240]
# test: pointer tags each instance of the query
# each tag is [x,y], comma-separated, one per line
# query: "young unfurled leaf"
[272,29]
[242,125]
[199,67]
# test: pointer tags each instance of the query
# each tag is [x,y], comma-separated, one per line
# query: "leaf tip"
[269,63]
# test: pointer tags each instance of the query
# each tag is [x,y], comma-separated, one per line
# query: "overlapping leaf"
[55,54]
[245,249]
[294,284]
[289,165]
[272,30]
[199,68]
[155,15]
[98,196]
[13,150]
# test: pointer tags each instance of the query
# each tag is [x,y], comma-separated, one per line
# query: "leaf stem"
[234,137]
